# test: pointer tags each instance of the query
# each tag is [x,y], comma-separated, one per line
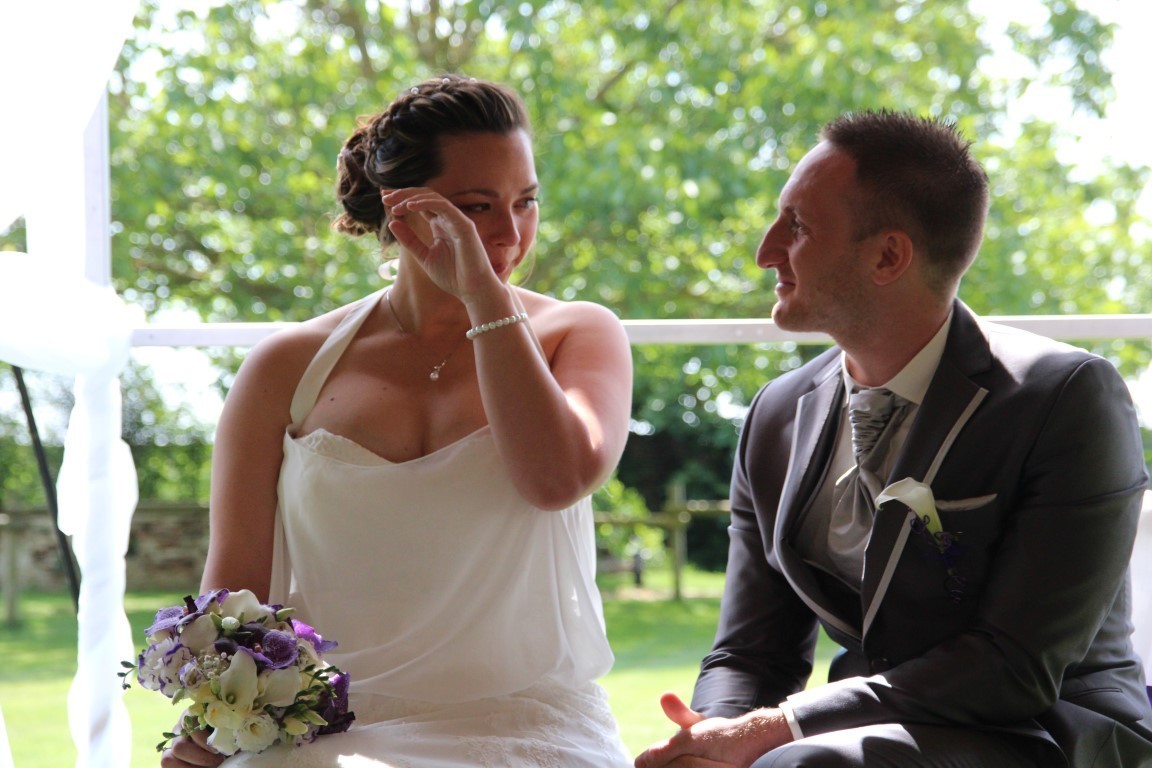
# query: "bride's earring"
[388,269]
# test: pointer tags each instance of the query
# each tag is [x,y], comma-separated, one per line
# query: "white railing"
[751,331]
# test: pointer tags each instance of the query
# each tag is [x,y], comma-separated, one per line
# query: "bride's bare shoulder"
[285,353]
[583,333]
[564,315]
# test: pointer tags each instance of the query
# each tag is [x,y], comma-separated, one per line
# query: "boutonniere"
[926,524]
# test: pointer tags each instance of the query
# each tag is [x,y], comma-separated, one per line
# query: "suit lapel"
[811,441]
[949,403]
[815,427]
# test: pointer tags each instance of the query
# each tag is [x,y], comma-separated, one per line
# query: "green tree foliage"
[663,135]
[21,484]
[664,132]
[170,445]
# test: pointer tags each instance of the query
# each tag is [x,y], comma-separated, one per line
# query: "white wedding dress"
[468,619]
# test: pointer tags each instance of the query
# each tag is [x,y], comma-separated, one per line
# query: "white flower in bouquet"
[257,733]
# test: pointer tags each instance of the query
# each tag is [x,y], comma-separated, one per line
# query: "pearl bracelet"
[521,317]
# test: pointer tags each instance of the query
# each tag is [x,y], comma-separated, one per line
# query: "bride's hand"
[191,750]
[442,238]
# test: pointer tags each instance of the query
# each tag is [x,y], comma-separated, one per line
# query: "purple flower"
[276,650]
[334,707]
[176,616]
[948,547]
[158,666]
[305,632]
[166,619]
[251,634]
[215,596]
[226,646]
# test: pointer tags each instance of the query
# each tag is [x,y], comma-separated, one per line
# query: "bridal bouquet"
[250,673]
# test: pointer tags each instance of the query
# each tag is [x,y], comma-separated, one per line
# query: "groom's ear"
[893,255]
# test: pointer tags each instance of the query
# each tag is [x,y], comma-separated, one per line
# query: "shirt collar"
[912,381]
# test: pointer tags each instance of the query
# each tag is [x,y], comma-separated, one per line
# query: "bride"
[412,471]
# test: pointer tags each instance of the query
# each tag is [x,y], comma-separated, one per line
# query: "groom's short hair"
[916,174]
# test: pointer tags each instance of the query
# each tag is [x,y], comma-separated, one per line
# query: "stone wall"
[166,549]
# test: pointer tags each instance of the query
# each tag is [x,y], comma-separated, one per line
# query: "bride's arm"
[559,424]
[246,458]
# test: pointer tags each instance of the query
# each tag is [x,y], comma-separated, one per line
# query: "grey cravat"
[874,415]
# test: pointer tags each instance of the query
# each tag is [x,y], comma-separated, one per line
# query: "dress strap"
[308,390]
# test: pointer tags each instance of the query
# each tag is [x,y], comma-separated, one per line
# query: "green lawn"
[658,645]
[40,661]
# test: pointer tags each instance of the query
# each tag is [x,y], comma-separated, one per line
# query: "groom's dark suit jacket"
[1033,453]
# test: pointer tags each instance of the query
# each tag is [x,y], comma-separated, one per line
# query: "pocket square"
[960,505]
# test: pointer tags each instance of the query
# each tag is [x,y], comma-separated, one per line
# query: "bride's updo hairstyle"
[400,147]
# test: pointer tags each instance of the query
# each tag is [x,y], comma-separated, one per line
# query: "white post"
[97,483]
[97,197]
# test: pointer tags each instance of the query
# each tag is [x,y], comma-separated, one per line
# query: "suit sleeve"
[766,635]
[1056,572]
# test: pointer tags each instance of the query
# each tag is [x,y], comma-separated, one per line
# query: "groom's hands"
[714,742]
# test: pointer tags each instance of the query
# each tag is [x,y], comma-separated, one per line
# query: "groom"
[952,501]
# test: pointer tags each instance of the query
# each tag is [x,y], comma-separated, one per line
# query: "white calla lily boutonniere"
[918,497]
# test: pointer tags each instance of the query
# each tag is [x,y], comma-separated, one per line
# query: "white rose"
[258,733]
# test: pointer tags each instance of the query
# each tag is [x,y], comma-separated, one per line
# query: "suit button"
[879,664]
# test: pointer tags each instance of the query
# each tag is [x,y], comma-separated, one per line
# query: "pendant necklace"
[434,374]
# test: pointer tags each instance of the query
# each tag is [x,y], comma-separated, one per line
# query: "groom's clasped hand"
[713,742]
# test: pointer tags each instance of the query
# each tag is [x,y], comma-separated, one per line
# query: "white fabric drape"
[5,750]
[55,59]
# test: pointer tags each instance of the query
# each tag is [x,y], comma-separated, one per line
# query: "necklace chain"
[434,373]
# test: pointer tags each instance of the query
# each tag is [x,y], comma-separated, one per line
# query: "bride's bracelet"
[520,317]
